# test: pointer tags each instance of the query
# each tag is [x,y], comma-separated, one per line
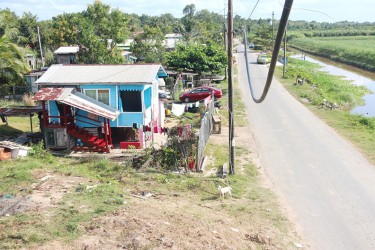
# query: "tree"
[65,29]
[9,25]
[188,21]
[28,33]
[263,36]
[209,58]
[148,47]
[96,30]
[12,63]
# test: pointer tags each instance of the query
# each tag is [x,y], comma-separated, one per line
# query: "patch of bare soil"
[43,194]
[170,222]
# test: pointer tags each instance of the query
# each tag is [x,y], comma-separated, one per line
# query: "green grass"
[240,115]
[68,216]
[358,129]
[358,51]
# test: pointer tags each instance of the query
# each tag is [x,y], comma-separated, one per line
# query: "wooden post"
[44,114]
[65,117]
[31,122]
[110,132]
[105,132]
[284,67]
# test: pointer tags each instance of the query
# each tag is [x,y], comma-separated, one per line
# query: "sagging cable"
[279,37]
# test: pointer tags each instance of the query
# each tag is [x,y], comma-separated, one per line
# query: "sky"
[308,10]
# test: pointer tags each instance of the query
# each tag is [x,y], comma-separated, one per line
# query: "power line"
[317,11]
[254,8]
[279,37]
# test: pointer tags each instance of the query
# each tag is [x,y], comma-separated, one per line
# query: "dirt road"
[327,185]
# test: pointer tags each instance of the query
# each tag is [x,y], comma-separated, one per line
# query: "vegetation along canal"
[357,76]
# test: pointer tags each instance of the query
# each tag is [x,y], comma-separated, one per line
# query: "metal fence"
[205,132]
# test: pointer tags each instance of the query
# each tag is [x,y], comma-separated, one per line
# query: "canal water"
[357,76]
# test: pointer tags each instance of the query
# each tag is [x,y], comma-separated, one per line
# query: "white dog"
[224,190]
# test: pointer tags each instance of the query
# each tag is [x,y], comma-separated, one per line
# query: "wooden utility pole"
[284,54]
[225,40]
[273,15]
[40,46]
[230,88]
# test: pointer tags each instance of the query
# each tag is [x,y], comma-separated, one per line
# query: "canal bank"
[356,76]
[320,86]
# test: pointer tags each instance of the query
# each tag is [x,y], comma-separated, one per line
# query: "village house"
[171,41]
[100,106]
[66,54]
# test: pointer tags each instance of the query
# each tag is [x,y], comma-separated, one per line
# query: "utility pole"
[225,39]
[230,87]
[273,14]
[40,46]
[284,54]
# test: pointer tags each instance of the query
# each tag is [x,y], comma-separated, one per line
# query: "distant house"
[31,79]
[171,41]
[100,106]
[66,55]
[126,46]
[129,58]
[31,61]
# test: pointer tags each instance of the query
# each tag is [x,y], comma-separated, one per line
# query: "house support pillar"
[110,132]
[44,114]
[106,132]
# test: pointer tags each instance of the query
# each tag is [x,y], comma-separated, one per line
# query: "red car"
[200,93]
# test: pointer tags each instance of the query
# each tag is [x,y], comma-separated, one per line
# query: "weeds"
[39,152]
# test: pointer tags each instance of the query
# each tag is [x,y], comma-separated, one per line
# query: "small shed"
[66,54]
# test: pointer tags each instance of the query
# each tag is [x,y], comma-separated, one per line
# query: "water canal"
[357,76]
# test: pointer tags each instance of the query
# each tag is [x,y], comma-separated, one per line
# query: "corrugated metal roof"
[86,74]
[67,50]
[76,99]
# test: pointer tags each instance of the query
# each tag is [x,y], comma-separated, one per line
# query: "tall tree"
[148,47]
[96,30]
[209,58]
[12,63]
[188,21]
[28,36]
[9,25]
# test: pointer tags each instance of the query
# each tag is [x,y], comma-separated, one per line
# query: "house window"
[102,95]
[131,101]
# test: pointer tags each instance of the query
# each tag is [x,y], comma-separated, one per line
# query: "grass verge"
[358,129]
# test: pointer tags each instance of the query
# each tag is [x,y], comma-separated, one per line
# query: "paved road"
[328,185]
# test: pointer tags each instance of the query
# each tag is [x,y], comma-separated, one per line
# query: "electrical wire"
[317,11]
[254,8]
[279,37]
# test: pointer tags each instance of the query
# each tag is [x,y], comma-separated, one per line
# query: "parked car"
[262,59]
[251,46]
[200,93]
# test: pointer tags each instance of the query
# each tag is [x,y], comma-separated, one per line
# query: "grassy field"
[358,51]
[17,125]
[344,96]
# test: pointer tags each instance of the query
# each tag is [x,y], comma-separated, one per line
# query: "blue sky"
[309,10]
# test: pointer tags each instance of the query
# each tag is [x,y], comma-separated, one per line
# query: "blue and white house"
[111,102]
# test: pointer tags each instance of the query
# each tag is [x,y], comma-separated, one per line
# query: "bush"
[368,121]
[39,152]
[28,100]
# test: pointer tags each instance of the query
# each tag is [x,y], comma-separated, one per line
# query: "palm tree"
[12,62]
